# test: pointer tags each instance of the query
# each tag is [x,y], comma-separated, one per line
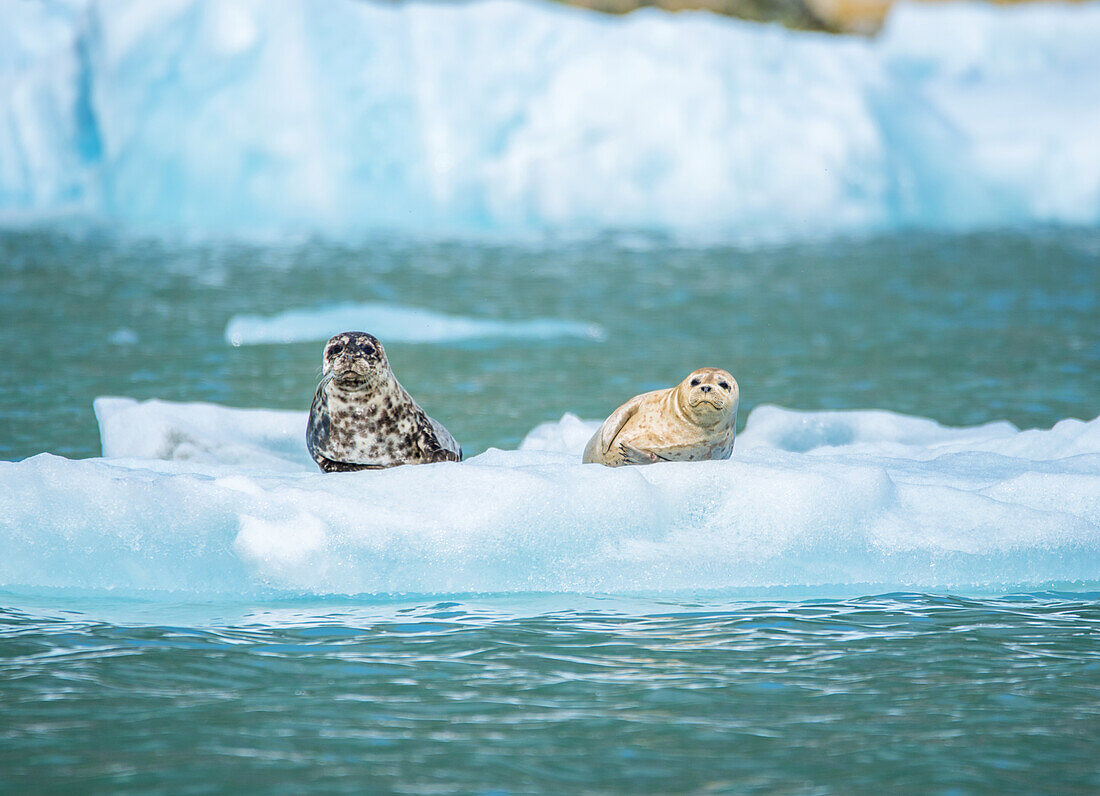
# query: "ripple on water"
[875,693]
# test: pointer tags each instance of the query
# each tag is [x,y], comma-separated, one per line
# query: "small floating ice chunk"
[123,337]
[395,323]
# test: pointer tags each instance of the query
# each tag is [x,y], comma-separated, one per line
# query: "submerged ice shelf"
[508,116]
[204,500]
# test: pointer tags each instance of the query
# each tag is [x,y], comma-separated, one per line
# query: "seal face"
[362,418]
[690,422]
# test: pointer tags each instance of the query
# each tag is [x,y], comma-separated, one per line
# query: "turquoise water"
[895,693]
[962,329]
[769,692]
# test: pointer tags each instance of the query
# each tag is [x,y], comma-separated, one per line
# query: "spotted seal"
[362,418]
[692,421]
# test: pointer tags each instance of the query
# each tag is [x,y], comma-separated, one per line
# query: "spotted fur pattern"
[370,427]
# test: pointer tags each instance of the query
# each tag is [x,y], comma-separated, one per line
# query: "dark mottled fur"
[373,426]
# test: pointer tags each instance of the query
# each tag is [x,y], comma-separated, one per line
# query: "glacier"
[198,501]
[502,116]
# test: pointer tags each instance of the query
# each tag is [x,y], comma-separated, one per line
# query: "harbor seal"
[362,418]
[690,422]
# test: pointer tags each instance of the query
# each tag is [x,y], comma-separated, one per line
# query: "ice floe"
[197,500]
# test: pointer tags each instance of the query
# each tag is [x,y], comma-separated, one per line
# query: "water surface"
[896,693]
[769,692]
[962,329]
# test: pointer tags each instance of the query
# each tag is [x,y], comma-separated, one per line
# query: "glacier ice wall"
[200,500]
[507,116]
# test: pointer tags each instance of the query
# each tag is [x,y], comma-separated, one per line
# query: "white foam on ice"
[393,323]
[510,116]
[825,501]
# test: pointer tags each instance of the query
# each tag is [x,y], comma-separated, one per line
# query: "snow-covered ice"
[197,500]
[395,323]
[509,116]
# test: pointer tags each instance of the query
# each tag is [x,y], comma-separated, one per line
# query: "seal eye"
[695,382]
[723,385]
[336,349]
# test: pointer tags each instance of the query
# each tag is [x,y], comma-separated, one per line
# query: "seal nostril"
[705,388]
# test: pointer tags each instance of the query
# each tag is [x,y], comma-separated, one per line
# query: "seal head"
[355,361]
[693,421]
[708,396]
[363,419]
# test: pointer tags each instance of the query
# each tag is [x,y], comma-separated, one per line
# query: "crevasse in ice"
[508,116]
[197,499]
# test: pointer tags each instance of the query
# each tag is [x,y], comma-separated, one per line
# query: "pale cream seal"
[690,422]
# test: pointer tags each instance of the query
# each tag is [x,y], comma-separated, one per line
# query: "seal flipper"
[449,449]
[329,466]
[614,424]
[435,452]
[632,455]
[444,455]
[433,441]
